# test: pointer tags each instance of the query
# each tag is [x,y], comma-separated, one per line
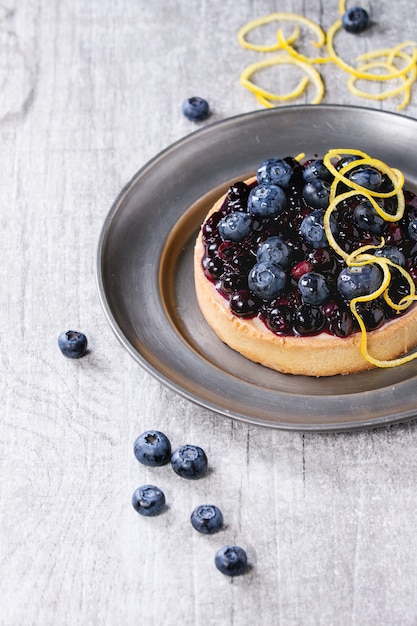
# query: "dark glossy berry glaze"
[228,263]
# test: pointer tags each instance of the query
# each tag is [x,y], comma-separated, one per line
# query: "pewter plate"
[145,270]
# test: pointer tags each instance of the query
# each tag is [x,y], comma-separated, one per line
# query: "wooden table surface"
[90,92]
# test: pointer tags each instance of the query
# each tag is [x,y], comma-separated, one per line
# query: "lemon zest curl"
[365,70]
[361,256]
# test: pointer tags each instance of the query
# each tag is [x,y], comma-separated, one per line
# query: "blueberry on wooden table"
[72,344]
[195,109]
[207,519]
[152,448]
[231,560]
[189,461]
[148,500]
[355,20]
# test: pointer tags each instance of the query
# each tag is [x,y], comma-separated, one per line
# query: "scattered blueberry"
[266,200]
[72,344]
[355,20]
[195,109]
[267,280]
[312,229]
[393,253]
[231,560]
[152,448]
[274,250]
[366,217]
[313,288]
[353,282]
[189,462]
[235,226]
[207,519]
[367,177]
[275,171]
[148,500]
[316,169]
[316,193]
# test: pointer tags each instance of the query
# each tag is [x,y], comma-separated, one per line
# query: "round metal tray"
[145,270]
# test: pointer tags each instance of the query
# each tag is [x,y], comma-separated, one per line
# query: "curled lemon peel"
[265,96]
[402,89]
[387,63]
[278,17]
[342,7]
[396,178]
[361,256]
[356,72]
[286,45]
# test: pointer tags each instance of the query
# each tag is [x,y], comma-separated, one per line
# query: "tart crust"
[318,355]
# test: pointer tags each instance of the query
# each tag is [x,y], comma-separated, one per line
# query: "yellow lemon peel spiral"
[384,69]
[265,97]
[361,256]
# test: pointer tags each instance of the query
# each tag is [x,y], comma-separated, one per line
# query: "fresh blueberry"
[267,280]
[235,226]
[266,200]
[313,288]
[316,193]
[207,519]
[278,318]
[72,344]
[195,109]
[353,282]
[355,20]
[152,448]
[344,160]
[243,303]
[148,500]
[312,229]
[275,171]
[231,560]
[366,217]
[372,314]
[189,462]
[393,253]
[412,229]
[274,250]
[316,169]
[367,177]
[308,319]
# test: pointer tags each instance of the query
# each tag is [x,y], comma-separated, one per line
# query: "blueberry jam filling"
[267,252]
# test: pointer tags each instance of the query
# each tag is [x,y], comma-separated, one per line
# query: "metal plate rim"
[145,362]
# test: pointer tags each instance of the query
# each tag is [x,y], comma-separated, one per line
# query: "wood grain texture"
[90,91]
